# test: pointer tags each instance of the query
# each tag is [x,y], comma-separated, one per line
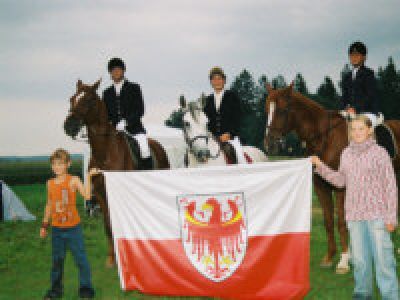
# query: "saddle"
[385,138]
[133,145]
[230,154]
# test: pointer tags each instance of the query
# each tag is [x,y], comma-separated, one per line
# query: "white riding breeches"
[239,150]
[144,148]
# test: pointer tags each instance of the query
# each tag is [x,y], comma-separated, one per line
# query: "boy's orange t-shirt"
[63,203]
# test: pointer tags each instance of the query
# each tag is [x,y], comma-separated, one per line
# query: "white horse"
[202,147]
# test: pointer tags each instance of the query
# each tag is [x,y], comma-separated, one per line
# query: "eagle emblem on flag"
[214,232]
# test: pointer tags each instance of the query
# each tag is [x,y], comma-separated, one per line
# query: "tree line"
[253,93]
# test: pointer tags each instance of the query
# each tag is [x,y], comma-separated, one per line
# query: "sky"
[169,47]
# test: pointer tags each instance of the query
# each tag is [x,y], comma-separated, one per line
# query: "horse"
[203,149]
[324,133]
[109,148]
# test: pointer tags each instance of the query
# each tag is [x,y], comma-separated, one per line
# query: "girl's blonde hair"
[360,118]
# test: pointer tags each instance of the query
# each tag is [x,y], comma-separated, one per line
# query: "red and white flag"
[233,232]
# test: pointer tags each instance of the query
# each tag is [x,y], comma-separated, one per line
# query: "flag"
[232,232]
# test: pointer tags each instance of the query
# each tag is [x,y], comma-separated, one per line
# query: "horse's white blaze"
[270,115]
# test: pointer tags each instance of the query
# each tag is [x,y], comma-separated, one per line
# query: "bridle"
[81,116]
[190,142]
[285,128]
[285,112]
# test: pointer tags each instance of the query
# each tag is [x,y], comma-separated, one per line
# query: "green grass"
[25,258]
[25,171]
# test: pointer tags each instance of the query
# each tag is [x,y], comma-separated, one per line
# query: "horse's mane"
[307,102]
[194,109]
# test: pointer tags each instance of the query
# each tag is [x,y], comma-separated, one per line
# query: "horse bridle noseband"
[190,142]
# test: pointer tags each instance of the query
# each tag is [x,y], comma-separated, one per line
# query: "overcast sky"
[169,46]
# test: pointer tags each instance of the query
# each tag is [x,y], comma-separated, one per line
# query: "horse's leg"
[343,265]
[324,193]
[101,196]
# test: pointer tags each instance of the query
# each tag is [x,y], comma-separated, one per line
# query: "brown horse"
[109,148]
[324,134]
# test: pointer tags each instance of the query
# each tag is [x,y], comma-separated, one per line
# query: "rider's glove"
[121,125]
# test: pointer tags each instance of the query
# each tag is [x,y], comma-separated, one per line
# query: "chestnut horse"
[109,148]
[324,134]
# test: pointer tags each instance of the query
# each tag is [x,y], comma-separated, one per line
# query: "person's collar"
[220,93]
[361,147]
[120,83]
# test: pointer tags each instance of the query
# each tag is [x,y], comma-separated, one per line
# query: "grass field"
[25,259]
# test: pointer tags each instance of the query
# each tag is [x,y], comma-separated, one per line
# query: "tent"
[11,207]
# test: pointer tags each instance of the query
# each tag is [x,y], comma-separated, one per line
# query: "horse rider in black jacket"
[125,107]
[222,109]
[360,96]
[359,87]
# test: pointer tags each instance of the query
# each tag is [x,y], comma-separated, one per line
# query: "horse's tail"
[160,154]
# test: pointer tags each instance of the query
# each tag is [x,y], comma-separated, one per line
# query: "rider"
[125,107]
[222,108]
[359,87]
[359,95]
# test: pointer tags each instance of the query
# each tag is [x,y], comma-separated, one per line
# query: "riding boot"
[146,163]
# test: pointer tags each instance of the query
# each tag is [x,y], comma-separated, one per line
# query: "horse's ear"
[182,101]
[79,85]
[96,84]
[203,100]
[269,88]
[291,85]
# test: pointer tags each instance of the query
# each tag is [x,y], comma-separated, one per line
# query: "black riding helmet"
[358,47]
[116,63]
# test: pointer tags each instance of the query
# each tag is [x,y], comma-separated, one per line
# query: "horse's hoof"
[342,270]
[326,262]
[110,262]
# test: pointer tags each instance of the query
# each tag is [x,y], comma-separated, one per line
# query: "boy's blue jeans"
[72,238]
[371,244]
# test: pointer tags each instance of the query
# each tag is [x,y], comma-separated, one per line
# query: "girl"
[370,207]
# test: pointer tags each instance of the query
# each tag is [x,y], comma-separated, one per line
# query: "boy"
[65,221]
[222,109]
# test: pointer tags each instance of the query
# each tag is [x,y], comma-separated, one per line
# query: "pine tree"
[244,87]
[175,119]
[300,84]
[278,82]
[327,95]
[389,90]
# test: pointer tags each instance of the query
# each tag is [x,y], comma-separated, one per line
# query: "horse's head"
[84,108]
[279,112]
[195,128]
